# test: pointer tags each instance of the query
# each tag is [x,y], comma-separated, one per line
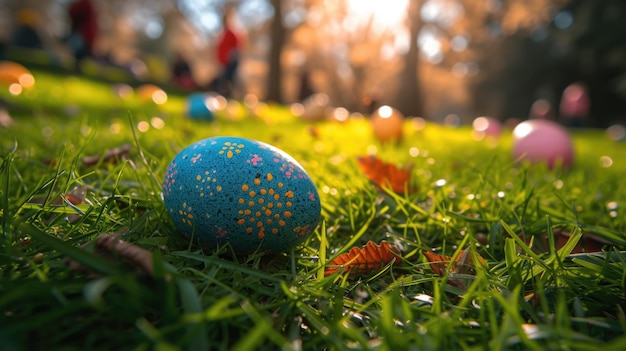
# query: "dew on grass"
[440,182]
[558,184]
[157,122]
[430,161]
[612,208]
[501,194]
[424,298]
[424,174]
[606,161]
[418,123]
[475,304]
[47,132]
[318,147]
[15,89]
[337,159]
[115,128]
[85,130]
[414,152]
[531,330]
[143,126]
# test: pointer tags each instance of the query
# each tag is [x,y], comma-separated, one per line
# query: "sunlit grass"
[471,195]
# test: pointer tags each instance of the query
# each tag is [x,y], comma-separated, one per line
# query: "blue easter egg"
[243,192]
[198,107]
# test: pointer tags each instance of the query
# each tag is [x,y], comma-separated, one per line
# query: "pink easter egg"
[543,141]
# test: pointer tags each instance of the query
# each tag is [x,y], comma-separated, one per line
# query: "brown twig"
[114,249]
[110,156]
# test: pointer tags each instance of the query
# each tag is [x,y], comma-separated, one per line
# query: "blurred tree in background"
[429,58]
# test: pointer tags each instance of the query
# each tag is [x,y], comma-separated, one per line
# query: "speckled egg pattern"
[244,192]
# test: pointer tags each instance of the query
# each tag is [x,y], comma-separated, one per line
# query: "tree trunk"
[409,98]
[274,76]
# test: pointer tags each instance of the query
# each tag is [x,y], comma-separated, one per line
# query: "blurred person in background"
[182,75]
[228,47]
[83,30]
[25,34]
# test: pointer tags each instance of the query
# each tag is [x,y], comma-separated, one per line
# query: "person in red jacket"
[83,29]
[228,58]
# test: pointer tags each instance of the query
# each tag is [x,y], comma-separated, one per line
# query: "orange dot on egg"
[244,187]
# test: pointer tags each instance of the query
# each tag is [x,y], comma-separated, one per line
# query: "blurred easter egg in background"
[387,124]
[198,107]
[543,141]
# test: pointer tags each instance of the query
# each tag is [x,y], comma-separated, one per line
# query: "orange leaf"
[364,260]
[463,264]
[386,174]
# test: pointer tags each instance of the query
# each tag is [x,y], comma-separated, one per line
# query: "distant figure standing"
[181,73]
[25,34]
[83,30]
[306,86]
[575,104]
[228,58]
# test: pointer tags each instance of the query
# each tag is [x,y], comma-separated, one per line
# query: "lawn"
[552,274]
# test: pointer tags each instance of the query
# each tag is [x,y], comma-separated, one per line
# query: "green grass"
[471,195]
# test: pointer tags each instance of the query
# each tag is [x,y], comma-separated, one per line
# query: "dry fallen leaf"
[364,260]
[384,174]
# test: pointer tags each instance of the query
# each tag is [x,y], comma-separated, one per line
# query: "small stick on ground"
[112,248]
[110,156]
